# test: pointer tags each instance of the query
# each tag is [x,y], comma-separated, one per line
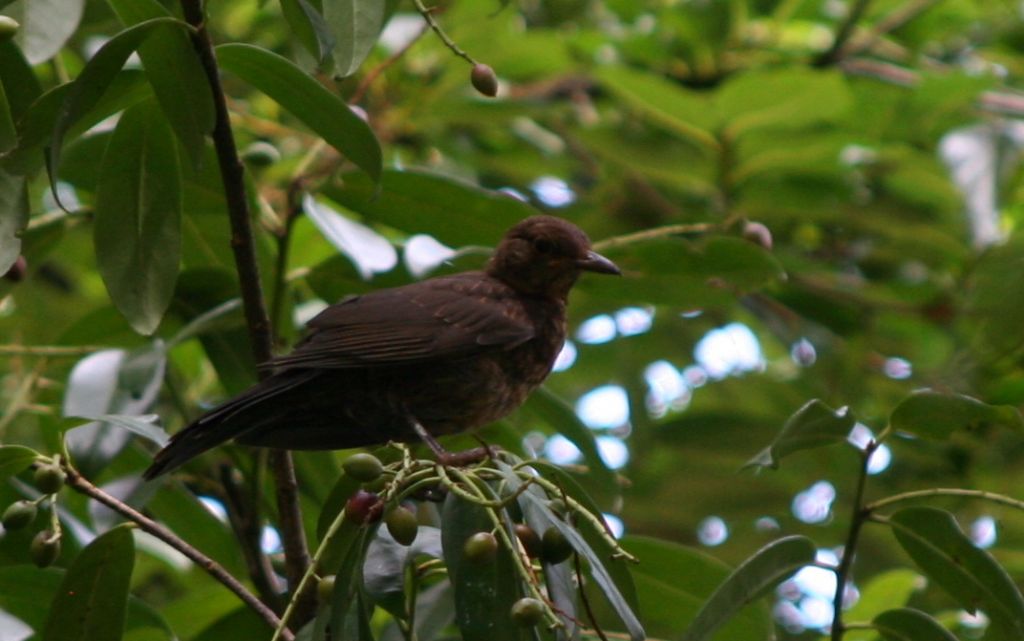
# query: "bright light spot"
[305,311]
[615,525]
[983,532]
[12,628]
[400,30]
[860,436]
[215,507]
[561,450]
[605,406]
[599,329]
[369,252]
[553,192]
[814,504]
[424,253]
[270,540]
[613,451]
[534,442]
[766,524]
[695,376]
[665,382]
[803,353]
[68,197]
[787,614]
[898,368]
[816,612]
[818,582]
[633,320]
[732,349]
[712,531]
[515,193]
[977,620]
[853,155]
[566,357]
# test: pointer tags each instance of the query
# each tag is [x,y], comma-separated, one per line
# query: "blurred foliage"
[842,178]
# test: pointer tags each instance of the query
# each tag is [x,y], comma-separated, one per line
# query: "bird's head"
[545,255]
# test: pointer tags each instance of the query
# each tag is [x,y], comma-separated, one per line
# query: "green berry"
[49,478]
[531,542]
[363,467]
[19,514]
[527,612]
[325,588]
[481,548]
[555,548]
[402,525]
[8,27]
[483,79]
[260,154]
[44,549]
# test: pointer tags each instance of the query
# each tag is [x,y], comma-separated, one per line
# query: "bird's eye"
[543,246]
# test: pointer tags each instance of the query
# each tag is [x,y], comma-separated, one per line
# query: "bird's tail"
[227,421]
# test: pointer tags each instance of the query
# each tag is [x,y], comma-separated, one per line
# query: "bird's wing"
[439,318]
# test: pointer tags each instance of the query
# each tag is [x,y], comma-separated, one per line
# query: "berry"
[364,507]
[19,514]
[49,478]
[531,542]
[260,154]
[325,588]
[402,525]
[484,80]
[363,467]
[8,27]
[555,548]
[527,612]
[44,549]
[482,547]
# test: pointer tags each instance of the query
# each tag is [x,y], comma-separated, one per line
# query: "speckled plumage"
[454,353]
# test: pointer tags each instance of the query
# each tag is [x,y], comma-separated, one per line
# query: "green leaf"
[8,134]
[673,581]
[681,111]
[484,592]
[768,567]
[907,624]
[782,99]
[307,100]
[349,611]
[813,425]
[144,426]
[138,217]
[881,592]
[15,458]
[309,27]
[19,80]
[13,217]
[92,83]
[45,26]
[93,596]
[547,406]
[452,211]
[355,25]
[174,71]
[969,574]
[934,414]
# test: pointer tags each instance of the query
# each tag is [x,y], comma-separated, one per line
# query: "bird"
[439,356]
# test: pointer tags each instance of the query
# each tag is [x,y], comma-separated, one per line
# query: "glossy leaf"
[173,69]
[45,25]
[93,595]
[907,624]
[354,25]
[452,211]
[764,570]
[15,458]
[350,611]
[880,593]
[813,425]
[307,100]
[13,217]
[138,217]
[92,83]
[309,27]
[386,562]
[937,415]
[969,574]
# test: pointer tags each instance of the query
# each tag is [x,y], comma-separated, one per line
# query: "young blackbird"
[435,357]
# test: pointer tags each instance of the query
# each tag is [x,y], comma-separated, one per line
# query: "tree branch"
[834,53]
[232,174]
[82,485]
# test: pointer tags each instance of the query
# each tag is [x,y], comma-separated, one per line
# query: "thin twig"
[428,15]
[373,74]
[652,234]
[243,246]
[888,24]
[833,55]
[945,491]
[82,485]
[860,515]
[53,351]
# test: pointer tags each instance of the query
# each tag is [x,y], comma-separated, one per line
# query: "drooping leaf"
[96,77]
[908,624]
[937,415]
[93,596]
[969,574]
[813,425]
[354,25]
[173,69]
[15,458]
[307,100]
[138,217]
[761,572]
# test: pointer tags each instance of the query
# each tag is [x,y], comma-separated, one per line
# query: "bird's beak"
[595,262]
